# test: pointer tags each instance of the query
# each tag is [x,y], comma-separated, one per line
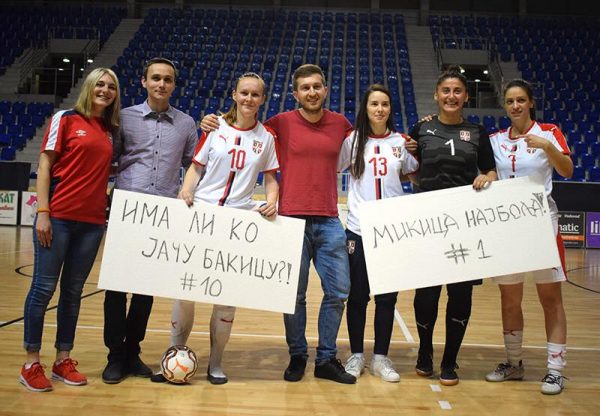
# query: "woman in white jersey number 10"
[531,148]
[224,171]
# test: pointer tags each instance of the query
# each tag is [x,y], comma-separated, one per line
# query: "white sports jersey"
[233,158]
[386,158]
[514,159]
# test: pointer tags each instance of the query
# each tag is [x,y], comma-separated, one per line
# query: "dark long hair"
[362,129]
[525,86]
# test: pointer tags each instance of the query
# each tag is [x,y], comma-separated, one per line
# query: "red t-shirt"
[84,152]
[308,158]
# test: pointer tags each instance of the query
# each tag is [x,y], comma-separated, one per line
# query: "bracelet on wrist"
[43,210]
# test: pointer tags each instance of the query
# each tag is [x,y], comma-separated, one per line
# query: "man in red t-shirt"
[309,142]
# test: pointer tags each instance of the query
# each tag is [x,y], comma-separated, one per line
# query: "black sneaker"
[216,380]
[448,376]
[114,372]
[295,369]
[136,367]
[158,378]
[424,366]
[334,370]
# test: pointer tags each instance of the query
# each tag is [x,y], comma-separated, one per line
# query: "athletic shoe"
[158,378]
[136,367]
[424,366]
[334,370]
[382,367]
[553,384]
[65,371]
[295,369]
[216,380]
[114,372]
[34,378]
[355,365]
[448,376]
[505,371]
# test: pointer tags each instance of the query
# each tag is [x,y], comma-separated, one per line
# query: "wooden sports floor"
[257,355]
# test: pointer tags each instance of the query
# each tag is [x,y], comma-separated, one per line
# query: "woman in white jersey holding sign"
[224,171]
[377,157]
[530,148]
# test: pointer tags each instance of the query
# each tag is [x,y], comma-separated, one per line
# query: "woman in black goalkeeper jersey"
[452,152]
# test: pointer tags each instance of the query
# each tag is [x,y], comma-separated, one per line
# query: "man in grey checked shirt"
[155,141]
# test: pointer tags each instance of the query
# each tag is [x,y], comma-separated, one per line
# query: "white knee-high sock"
[182,321]
[513,342]
[221,322]
[557,358]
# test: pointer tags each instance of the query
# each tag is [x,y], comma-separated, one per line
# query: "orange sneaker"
[65,371]
[34,378]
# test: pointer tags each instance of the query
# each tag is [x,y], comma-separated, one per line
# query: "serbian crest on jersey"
[465,135]
[257,146]
[397,151]
[351,246]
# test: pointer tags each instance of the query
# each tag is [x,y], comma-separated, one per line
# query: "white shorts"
[541,276]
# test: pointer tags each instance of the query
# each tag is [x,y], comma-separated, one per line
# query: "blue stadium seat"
[594,174]
[489,122]
[504,122]
[578,174]
[4,140]
[580,148]
[8,153]
[588,160]
[473,118]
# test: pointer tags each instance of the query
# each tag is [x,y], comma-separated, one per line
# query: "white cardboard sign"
[457,234]
[159,246]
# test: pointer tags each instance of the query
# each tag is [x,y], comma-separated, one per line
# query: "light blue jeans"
[325,244]
[73,249]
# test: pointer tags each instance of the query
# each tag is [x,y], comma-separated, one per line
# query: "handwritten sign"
[159,246]
[457,234]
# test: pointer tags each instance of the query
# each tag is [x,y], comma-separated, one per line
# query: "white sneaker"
[355,365]
[505,371]
[382,367]
[553,384]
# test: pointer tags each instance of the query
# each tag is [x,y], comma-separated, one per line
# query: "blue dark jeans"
[325,244]
[73,249]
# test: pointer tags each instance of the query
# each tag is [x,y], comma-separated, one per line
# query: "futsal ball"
[179,364]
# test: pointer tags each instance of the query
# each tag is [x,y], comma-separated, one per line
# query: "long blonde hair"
[84,102]
[231,116]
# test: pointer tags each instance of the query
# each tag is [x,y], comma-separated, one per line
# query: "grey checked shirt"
[151,148]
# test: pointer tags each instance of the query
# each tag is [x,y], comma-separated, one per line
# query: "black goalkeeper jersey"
[451,155]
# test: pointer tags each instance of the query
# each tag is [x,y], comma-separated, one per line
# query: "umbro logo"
[81,133]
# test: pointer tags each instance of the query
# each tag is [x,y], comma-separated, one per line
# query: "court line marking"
[245,335]
[16,251]
[444,404]
[403,327]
